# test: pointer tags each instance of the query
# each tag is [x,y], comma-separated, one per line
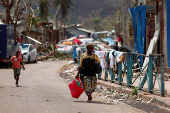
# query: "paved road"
[43,91]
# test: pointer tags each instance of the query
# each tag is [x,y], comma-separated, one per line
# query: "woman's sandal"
[89,99]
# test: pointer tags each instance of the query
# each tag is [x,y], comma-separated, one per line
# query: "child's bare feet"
[17,85]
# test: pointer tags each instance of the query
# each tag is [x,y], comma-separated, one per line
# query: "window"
[31,48]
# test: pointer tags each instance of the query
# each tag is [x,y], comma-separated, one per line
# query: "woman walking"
[88,62]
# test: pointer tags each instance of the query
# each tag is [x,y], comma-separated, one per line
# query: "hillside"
[86,9]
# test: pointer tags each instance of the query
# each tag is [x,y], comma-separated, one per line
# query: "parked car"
[65,49]
[70,48]
[29,53]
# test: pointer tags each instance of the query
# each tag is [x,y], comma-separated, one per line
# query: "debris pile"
[72,72]
[108,95]
[50,53]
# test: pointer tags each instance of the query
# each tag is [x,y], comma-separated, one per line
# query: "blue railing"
[153,71]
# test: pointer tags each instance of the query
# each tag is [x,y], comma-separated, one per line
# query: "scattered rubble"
[71,62]
[50,53]
[108,95]
[111,96]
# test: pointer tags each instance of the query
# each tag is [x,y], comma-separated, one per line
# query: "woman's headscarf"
[90,45]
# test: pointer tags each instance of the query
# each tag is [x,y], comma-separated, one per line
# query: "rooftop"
[85,30]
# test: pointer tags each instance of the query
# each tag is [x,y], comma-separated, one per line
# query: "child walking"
[17,62]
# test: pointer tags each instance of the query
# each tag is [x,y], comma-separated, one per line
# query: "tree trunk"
[15,31]
[60,27]
[56,15]
[64,31]
[7,14]
[61,22]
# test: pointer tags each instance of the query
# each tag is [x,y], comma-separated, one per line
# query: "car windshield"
[24,46]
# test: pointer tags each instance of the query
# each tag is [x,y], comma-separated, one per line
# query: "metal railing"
[150,73]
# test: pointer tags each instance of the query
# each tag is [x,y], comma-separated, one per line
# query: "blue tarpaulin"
[74,53]
[168,31]
[138,17]
[110,41]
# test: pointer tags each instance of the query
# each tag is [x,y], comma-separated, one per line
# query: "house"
[80,31]
[33,37]
[157,18]
[76,30]
[38,34]
[70,31]
[111,33]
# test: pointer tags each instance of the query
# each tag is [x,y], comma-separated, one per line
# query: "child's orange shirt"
[16,62]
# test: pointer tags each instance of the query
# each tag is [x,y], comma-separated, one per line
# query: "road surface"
[43,91]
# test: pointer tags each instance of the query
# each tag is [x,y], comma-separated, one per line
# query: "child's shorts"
[17,71]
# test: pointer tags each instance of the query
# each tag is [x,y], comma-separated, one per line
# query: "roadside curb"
[148,98]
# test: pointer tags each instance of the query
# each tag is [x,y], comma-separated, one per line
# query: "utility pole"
[119,22]
[125,21]
[123,14]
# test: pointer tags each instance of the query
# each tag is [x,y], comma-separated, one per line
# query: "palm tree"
[64,5]
[43,9]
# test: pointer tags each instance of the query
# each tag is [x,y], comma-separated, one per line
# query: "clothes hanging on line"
[101,54]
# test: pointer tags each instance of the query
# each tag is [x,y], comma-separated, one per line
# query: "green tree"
[97,20]
[97,25]
[32,20]
[64,6]
[43,9]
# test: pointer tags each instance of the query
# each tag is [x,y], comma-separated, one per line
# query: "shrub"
[135,91]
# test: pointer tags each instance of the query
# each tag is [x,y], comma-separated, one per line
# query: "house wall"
[55,36]
[163,24]
[61,35]
[36,36]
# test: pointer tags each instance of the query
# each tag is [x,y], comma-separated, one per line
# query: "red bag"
[76,88]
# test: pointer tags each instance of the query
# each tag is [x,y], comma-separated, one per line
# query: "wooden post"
[150,73]
[161,16]
[162,75]
[120,72]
